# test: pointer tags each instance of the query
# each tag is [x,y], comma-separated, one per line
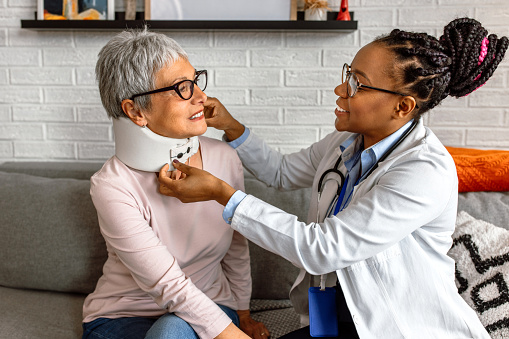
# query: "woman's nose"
[199,95]
[341,91]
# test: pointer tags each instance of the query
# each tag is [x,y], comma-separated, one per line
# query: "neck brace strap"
[141,149]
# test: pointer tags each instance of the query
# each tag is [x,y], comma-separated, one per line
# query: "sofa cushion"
[50,235]
[481,254]
[273,276]
[40,314]
[492,207]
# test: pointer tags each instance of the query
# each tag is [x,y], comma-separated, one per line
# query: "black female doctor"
[384,189]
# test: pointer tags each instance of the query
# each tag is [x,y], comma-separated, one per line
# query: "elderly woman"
[165,276]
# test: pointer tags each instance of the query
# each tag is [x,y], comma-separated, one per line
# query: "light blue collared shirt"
[356,161]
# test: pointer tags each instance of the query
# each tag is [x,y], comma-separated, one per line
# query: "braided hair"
[458,63]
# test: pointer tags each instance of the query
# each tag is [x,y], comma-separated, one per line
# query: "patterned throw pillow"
[481,253]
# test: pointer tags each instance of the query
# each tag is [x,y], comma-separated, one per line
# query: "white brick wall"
[280,83]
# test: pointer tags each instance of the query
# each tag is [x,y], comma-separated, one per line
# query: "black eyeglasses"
[184,88]
[353,83]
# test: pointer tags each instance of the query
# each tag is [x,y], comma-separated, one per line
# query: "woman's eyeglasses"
[353,83]
[184,88]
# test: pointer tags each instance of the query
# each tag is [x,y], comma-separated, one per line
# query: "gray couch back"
[50,237]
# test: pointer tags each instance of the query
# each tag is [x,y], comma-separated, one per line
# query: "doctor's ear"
[133,112]
[405,106]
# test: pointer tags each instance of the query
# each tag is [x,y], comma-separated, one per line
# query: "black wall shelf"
[119,24]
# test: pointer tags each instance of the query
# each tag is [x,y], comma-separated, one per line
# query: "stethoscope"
[330,177]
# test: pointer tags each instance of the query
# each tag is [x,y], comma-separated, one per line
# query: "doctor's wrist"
[224,193]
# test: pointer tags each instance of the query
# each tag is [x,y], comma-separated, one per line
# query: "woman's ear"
[405,106]
[133,113]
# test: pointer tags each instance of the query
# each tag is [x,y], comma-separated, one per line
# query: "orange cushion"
[481,170]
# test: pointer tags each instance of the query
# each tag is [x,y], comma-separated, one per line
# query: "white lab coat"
[388,247]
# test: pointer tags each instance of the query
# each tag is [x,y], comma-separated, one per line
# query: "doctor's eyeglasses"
[184,88]
[353,83]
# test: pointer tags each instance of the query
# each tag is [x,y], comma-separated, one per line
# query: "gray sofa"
[52,251]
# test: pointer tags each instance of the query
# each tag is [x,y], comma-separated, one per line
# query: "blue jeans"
[168,326]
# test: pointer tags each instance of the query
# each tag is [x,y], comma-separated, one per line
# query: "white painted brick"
[285,58]
[19,94]
[323,78]
[92,114]
[78,132]
[4,77]
[502,3]
[256,116]
[46,150]
[287,135]
[19,56]
[42,76]
[253,77]
[309,117]
[323,39]
[76,95]
[6,149]
[43,113]
[489,98]
[369,35]
[26,37]
[228,96]
[216,58]
[454,102]
[3,37]
[487,137]
[9,17]
[466,117]
[324,131]
[21,3]
[376,17]
[92,39]
[21,131]
[328,98]
[189,39]
[338,57]
[85,76]
[5,113]
[283,97]
[395,3]
[498,15]
[431,17]
[214,134]
[96,151]
[450,136]
[248,39]
[70,56]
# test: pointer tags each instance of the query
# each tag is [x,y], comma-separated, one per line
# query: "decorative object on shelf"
[316,10]
[130,9]
[344,14]
[227,10]
[75,10]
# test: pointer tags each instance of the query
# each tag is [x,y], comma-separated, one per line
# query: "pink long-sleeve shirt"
[166,256]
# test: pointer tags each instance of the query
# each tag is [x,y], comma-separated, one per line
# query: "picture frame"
[224,10]
[75,9]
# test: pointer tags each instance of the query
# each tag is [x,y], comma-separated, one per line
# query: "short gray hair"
[127,66]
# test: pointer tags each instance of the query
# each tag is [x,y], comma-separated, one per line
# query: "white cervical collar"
[141,149]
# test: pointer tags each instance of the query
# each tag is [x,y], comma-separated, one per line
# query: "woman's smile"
[197,116]
[340,111]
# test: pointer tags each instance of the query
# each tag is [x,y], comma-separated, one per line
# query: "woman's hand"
[217,116]
[193,185]
[252,328]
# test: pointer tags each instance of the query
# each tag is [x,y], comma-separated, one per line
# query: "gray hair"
[127,66]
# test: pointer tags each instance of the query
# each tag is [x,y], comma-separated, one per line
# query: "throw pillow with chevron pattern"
[481,253]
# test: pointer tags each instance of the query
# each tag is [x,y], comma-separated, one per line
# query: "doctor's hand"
[193,185]
[217,116]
